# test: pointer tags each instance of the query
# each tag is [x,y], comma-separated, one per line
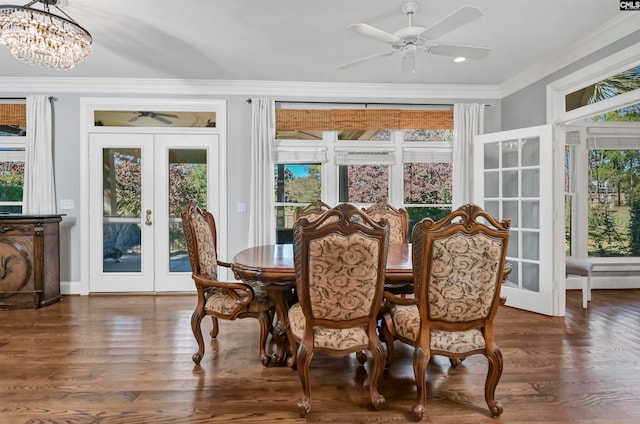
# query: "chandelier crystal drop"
[41,38]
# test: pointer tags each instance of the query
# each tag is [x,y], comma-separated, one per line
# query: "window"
[611,170]
[176,119]
[12,143]
[295,185]
[615,85]
[361,156]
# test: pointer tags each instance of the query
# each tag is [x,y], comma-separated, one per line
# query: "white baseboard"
[70,287]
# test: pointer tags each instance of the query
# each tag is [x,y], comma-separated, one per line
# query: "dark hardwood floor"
[127,359]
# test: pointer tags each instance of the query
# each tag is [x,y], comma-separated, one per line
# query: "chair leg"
[361,357]
[379,361]
[214,329]
[420,361]
[389,338]
[303,361]
[196,319]
[265,329]
[585,292]
[493,376]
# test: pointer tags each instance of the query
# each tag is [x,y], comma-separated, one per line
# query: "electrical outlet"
[241,207]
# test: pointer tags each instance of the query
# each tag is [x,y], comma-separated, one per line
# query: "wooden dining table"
[272,267]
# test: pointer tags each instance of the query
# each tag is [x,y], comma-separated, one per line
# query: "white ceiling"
[304,40]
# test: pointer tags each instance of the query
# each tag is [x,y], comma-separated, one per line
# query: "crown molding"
[247,88]
[613,30]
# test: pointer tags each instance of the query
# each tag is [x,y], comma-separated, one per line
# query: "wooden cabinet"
[29,260]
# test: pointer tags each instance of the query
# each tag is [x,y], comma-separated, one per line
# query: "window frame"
[326,151]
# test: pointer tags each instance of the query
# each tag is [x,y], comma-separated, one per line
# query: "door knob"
[148,219]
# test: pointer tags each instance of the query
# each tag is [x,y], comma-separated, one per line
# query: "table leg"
[280,329]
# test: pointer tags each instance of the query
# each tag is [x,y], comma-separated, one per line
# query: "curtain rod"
[23,98]
[365,103]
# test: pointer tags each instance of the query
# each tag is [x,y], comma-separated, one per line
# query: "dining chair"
[340,260]
[458,270]
[398,220]
[311,211]
[220,299]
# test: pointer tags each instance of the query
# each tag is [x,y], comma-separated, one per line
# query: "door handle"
[148,219]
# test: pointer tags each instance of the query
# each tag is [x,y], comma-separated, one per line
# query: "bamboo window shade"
[13,114]
[362,119]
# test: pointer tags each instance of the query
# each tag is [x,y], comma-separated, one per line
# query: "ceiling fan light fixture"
[41,38]
[459,59]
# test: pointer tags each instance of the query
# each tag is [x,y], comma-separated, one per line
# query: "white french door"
[140,183]
[513,179]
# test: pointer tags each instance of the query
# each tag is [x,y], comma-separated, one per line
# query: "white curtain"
[468,120]
[261,207]
[39,188]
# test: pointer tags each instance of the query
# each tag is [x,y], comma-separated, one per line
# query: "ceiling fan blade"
[167,115]
[459,51]
[365,59]
[163,120]
[373,32]
[459,18]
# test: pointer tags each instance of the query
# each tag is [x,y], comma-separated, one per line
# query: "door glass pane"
[530,182]
[510,210]
[187,180]
[510,154]
[491,184]
[531,276]
[530,245]
[510,183]
[531,214]
[122,199]
[512,246]
[531,152]
[492,207]
[491,159]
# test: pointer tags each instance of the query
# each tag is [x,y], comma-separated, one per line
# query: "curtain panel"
[261,208]
[39,195]
[468,122]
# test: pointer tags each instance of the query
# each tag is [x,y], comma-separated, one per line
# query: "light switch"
[66,204]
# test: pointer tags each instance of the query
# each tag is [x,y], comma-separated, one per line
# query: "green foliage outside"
[614,213]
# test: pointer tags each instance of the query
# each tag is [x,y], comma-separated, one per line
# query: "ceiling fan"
[162,117]
[411,39]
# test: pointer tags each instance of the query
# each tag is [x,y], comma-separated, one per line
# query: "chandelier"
[41,38]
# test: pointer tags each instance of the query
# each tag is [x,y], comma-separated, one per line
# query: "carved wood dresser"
[29,260]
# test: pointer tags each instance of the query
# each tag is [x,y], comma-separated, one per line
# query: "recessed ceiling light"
[460,59]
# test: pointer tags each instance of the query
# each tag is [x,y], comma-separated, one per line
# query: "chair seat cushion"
[219,301]
[406,320]
[323,337]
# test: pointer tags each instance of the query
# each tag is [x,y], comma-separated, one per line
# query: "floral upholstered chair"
[311,211]
[340,260]
[458,269]
[398,234]
[398,220]
[219,299]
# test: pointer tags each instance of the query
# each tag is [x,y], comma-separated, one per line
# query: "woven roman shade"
[13,114]
[363,119]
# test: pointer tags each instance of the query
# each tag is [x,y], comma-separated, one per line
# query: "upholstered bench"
[583,269]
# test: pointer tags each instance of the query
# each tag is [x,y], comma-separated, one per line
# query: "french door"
[513,179]
[140,184]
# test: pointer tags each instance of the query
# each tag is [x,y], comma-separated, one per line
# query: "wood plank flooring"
[127,359]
